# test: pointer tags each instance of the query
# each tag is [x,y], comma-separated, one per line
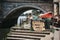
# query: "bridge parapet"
[29,1]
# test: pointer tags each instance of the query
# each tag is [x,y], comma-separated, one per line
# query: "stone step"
[16,33]
[30,37]
[26,36]
[18,28]
[21,36]
[13,38]
[23,31]
[29,34]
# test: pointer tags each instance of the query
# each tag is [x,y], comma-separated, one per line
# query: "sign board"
[38,25]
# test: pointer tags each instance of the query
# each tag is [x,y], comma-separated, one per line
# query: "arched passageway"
[11,17]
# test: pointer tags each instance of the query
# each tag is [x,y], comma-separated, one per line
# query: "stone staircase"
[16,33]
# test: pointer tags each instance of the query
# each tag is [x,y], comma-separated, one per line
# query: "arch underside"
[11,18]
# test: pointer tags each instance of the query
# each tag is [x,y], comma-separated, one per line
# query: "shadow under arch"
[11,17]
[25,7]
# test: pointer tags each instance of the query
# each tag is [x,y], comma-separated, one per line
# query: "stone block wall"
[8,6]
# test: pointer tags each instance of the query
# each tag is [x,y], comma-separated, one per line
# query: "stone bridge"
[11,9]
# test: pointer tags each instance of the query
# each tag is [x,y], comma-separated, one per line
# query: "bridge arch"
[11,17]
[24,7]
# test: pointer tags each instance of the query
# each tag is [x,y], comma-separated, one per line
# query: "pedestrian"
[58,21]
[47,23]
